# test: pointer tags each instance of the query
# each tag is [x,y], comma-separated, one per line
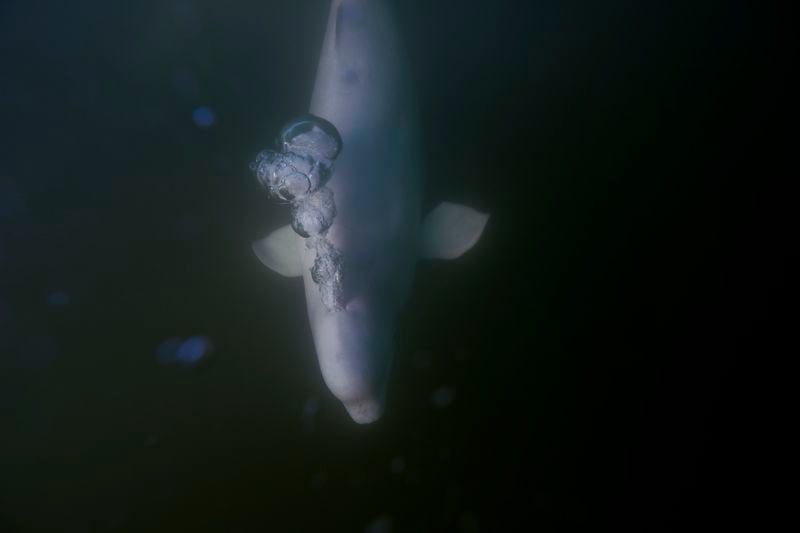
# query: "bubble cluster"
[327,272]
[314,215]
[296,173]
[303,163]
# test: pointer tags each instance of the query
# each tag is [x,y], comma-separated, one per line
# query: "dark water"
[607,354]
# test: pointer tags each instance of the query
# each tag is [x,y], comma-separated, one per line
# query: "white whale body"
[364,89]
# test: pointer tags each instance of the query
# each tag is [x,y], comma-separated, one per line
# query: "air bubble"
[265,167]
[293,186]
[311,135]
[315,215]
[327,272]
[287,176]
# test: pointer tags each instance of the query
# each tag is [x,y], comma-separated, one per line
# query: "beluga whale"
[352,173]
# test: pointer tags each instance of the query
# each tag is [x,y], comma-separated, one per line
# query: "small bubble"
[293,185]
[203,117]
[442,397]
[286,176]
[265,167]
[315,215]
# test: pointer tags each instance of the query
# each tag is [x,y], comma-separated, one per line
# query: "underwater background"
[606,355]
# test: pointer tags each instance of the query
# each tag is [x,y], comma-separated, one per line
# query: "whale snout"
[359,381]
[366,410]
[355,357]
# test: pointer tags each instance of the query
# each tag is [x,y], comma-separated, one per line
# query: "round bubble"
[315,214]
[286,176]
[292,186]
[290,162]
[319,175]
[264,166]
[312,135]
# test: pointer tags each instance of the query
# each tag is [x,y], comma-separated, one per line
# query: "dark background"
[611,349]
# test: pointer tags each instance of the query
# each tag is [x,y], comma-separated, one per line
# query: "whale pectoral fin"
[279,252]
[450,230]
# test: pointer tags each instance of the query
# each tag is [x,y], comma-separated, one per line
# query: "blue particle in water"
[58,299]
[193,350]
[203,117]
